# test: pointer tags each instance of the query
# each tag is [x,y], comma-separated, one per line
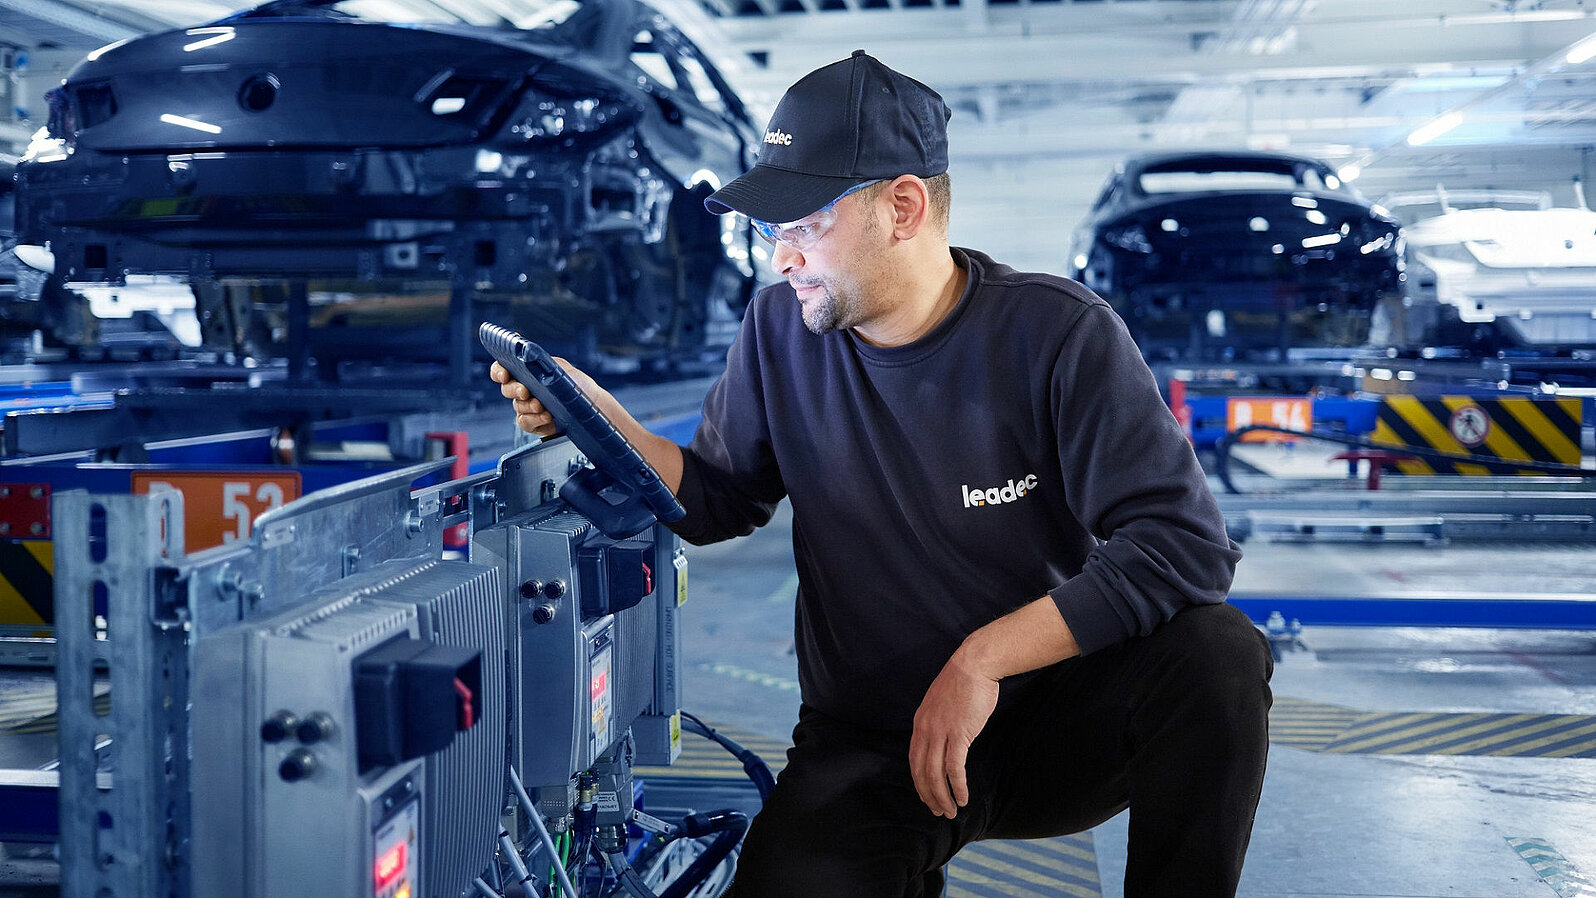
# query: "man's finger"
[539,425]
[917,767]
[958,753]
[935,792]
[927,771]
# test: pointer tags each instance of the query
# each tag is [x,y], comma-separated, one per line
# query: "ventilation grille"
[462,605]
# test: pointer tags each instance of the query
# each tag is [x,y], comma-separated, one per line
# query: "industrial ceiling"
[1050,94]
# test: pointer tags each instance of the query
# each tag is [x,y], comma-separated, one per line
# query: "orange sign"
[219,507]
[1289,413]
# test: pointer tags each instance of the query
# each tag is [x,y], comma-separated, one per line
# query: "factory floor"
[1404,762]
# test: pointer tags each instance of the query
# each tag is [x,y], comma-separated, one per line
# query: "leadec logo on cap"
[778,137]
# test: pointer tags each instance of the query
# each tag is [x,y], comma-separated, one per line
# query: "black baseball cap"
[841,125]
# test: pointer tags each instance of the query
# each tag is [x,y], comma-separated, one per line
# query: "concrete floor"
[1330,823]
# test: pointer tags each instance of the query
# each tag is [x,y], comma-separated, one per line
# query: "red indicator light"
[390,865]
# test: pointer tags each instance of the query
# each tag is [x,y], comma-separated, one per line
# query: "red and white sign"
[1287,412]
[1470,425]
[220,507]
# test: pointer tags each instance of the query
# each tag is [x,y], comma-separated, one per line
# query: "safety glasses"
[804,233]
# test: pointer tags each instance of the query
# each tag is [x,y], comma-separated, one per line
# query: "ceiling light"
[1435,128]
[1321,240]
[1350,171]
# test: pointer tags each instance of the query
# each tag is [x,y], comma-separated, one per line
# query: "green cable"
[554,884]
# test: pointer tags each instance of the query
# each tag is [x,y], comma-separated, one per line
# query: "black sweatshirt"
[939,485]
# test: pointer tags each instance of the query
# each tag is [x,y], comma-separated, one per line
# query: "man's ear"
[911,206]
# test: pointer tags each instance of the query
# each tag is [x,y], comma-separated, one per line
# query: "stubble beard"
[834,308]
[826,312]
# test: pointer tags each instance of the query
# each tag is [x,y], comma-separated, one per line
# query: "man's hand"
[530,415]
[962,697]
[954,711]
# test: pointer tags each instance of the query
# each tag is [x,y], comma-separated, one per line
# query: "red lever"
[468,710]
[648,579]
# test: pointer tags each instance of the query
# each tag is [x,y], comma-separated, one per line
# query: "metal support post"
[124,832]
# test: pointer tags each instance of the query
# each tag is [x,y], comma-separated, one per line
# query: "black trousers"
[1173,726]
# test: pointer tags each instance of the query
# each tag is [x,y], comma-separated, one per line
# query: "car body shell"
[1237,254]
[555,171]
[1527,273]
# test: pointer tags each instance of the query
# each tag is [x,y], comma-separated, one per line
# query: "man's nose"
[786,259]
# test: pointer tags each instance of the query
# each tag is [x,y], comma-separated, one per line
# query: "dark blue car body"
[1238,254]
[554,173]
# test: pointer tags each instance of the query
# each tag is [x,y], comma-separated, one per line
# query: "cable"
[561,842]
[543,832]
[516,864]
[629,881]
[1494,465]
[753,765]
[731,825]
[578,856]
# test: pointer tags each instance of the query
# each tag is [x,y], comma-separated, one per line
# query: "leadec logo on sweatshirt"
[997,495]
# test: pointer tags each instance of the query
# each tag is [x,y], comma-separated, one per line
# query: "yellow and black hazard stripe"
[27,582]
[1334,729]
[1492,431]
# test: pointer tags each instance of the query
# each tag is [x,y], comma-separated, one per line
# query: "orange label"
[220,507]
[1289,413]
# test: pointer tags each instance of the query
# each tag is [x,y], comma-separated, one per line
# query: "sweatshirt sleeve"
[730,480]
[1132,480]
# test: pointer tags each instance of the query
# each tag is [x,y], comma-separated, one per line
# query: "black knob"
[298,765]
[531,588]
[543,613]
[554,589]
[278,726]
[315,728]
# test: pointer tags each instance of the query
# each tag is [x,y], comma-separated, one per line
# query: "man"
[1011,618]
